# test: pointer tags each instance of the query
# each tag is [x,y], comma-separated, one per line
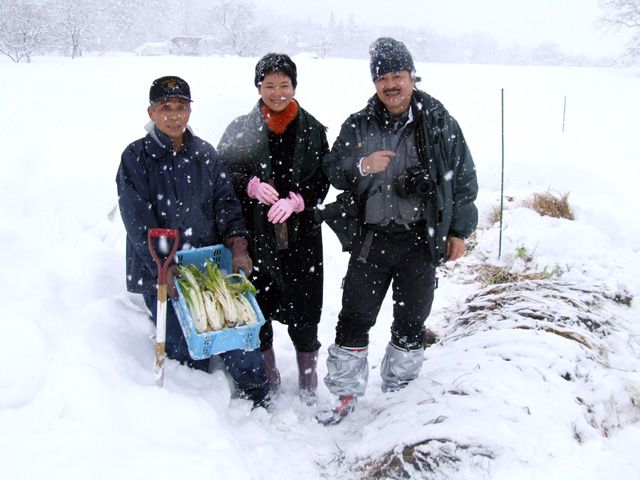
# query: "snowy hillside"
[536,378]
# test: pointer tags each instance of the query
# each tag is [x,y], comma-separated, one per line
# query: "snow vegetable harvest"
[215,300]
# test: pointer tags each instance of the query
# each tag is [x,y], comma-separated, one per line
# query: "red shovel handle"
[162,267]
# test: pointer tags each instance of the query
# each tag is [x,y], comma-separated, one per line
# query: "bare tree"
[23,25]
[238,22]
[75,19]
[623,14]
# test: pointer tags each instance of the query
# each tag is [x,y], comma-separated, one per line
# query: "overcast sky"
[569,23]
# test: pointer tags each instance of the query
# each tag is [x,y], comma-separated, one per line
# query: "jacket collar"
[376,108]
[157,144]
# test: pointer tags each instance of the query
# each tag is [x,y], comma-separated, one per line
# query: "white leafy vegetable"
[215,315]
[216,301]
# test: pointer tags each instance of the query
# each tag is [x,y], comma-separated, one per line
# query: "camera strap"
[366,246]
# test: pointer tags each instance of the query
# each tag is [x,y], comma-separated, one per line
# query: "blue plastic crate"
[204,345]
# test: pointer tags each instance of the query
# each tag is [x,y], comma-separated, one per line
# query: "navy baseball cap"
[169,87]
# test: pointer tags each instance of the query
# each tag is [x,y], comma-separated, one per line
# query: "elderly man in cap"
[172,179]
[407,165]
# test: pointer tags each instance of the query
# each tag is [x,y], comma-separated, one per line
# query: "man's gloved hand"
[172,272]
[240,259]
[262,191]
[284,207]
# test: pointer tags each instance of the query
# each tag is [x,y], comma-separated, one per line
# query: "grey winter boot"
[269,357]
[399,367]
[307,376]
[347,371]
[347,377]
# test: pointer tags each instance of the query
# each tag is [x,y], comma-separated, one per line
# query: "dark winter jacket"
[247,148]
[161,188]
[442,150]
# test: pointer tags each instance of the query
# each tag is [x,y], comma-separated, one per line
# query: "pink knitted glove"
[284,207]
[261,191]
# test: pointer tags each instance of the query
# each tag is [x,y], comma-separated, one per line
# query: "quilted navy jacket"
[161,188]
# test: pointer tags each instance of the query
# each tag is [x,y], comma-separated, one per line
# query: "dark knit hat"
[389,55]
[276,62]
[169,87]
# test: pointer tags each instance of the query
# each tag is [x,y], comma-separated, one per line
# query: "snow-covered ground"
[535,380]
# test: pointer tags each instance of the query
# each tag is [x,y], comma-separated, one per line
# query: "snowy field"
[546,385]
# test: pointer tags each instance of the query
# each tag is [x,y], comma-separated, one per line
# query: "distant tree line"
[234,27]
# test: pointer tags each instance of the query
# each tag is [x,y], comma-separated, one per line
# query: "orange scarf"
[279,121]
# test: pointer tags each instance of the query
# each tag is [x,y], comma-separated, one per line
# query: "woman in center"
[274,154]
